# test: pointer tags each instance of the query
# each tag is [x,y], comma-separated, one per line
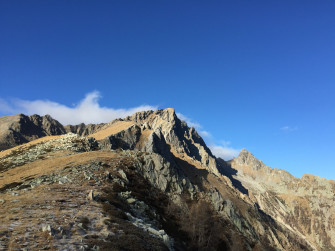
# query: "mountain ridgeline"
[151,184]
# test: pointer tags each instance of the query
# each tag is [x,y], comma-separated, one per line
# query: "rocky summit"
[149,182]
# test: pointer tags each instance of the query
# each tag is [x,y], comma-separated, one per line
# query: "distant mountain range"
[149,182]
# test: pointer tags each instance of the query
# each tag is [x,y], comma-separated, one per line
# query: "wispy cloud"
[5,107]
[221,149]
[86,111]
[196,125]
[188,120]
[224,152]
[289,128]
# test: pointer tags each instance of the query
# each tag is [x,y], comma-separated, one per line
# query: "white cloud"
[196,125]
[5,107]
[289,128]
[189,121]
[87,111]
[222,150]
[204,134]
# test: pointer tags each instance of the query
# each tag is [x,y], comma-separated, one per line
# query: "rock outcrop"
[82,129]
[163,132]
[20,129]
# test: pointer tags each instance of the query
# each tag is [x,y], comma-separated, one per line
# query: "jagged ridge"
[20,129]
[305,205]
[178,162]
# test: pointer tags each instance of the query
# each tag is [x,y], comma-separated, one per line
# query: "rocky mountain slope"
[20,129]
[149,182]
[305,205]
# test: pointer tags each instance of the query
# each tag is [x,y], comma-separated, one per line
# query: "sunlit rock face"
[304,205]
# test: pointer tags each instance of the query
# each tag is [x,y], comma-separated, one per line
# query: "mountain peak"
[247,158]
[183,140]
[244,152]
[167,114]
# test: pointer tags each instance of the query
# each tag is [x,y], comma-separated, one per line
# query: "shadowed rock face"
[82,129]
[19,129]
[184,140]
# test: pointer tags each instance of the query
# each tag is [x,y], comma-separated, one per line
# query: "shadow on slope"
[226,169]
[196,175]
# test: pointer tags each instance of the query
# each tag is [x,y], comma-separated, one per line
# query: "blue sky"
[253,74]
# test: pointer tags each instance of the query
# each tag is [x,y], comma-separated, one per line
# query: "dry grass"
[24,212]
[114,128]
[46,166]
[29,144]
[22,216]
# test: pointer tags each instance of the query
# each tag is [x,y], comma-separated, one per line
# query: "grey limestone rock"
[125,139]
